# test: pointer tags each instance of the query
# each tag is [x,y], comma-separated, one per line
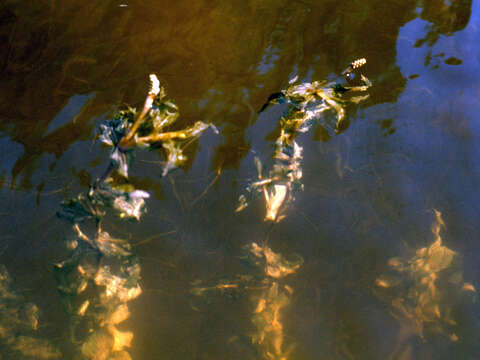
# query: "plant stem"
[126,141]
[163,136]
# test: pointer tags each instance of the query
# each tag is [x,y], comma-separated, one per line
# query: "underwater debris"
[421,288]
[269,296]
[307,104]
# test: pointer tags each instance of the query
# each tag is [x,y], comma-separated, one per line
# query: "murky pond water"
[376,257]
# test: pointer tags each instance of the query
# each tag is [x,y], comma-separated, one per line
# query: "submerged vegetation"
[102,273]
[270,296]
[422,289]
[307,104]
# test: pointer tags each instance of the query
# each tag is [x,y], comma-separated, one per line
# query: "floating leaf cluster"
[146,129]
[307,103]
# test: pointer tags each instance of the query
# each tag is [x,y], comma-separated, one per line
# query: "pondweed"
[307,103]
[102,273]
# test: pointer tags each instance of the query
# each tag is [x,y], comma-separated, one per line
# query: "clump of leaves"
[307,104]
[146,129]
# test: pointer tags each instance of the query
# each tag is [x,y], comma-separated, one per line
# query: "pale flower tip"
[359,62]
[155,84]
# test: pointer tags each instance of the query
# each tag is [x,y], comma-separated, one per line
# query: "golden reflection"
[270,297]
[96,292]
[107,344]
[274,199]
[276,266]
[422,287]
[267,316]
[268,322]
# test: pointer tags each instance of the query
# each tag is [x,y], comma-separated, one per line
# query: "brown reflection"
[270,297]
[52,51]
[422,289]
[267,317]
[20,317]
[445,17]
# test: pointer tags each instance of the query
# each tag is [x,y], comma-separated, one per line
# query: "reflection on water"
[268,312]
[96,282]
[423,289]
[270,297]
[61,59]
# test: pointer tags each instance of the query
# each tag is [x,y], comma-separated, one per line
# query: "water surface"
[371,193]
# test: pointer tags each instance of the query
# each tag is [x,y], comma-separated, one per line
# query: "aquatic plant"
[270,296]
[102,273]
[421,288]
[307,103]
[129,129]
